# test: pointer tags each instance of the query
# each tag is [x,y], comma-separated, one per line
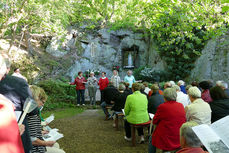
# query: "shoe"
[127,139]
[83,104]
[142,140]
[78,105]
[114,125]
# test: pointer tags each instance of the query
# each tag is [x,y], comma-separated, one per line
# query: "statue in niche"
[128,59]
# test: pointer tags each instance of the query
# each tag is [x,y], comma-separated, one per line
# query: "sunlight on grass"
[63,113]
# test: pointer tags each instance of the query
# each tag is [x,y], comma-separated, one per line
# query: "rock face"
[103,49]
[214,61]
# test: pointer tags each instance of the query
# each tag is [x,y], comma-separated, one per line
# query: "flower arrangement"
[87,72]
[116,68]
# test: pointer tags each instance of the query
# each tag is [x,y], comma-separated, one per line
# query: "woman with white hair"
[198,111]
[168,119]
[129,78]
[181,84]
[92,88]
[190,143]
[115,79]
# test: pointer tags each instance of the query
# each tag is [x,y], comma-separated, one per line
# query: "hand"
[69,83]
[44,132]
[21,129]
[50,143]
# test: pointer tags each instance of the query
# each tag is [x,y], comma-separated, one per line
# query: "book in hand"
[53,135]
[49,119]
[214,137]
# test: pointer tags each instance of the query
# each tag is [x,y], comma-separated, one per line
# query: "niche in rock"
[130,57]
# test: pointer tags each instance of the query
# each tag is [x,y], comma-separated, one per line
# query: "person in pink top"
[103,83]
[80,88]
[205,95]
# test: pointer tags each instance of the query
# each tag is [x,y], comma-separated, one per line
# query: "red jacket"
[191,150]
[79,83]
[169,117]
[10,139]
[103,83]
[205,95]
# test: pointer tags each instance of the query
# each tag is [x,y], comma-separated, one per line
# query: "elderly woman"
[190,143]
[135,111]
[92,88]
[129,78]
[168,119]
[198,111]
[115,79]
[34,122]
[220,103]
[80,87]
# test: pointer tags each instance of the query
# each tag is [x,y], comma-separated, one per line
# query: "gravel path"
[89,133]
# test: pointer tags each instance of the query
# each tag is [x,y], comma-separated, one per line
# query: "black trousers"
[102,96]
[128,129]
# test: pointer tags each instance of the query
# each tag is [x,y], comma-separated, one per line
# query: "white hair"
[170,94]
[225,85]
[3,68]
[181,82]
[172,83]
[176,87]
[222,84]
[194,92]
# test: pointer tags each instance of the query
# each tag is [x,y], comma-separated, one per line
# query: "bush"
[150,75]
[60,94]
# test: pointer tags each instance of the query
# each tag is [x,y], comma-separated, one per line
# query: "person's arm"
[39,142]
[134,80]
[73,83]
[127,106]
[157,116]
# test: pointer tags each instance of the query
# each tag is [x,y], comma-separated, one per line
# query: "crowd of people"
[27,137]
[176,108]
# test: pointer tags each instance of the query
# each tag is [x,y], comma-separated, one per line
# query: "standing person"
[18,74]
[80,88]
[10,140]
[115,79]
[129,78]
[103,83]
[92,81]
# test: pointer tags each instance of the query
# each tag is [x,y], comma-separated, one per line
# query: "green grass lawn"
[63,113]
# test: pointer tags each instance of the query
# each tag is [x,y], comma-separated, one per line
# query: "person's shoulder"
[14,80]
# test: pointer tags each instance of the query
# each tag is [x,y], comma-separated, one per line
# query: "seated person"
[155,99]
[198,111]
[147,89]
[190,143]
[135,111]
[205,95]
[181,97]
[142,90]
[34,122]
[168,119]
[110,93]
[220,103]
[127,87]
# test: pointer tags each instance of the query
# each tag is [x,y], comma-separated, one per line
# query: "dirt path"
[89,133]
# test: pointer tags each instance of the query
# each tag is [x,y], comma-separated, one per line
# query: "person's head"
[187,87]
[115,72]
[142,87]
[217,93]
[3,68]
[92,74]
[17,70]
[129,72]
[154,88]
[121,87]
[170,94]
[145,84]
[103,74]
[167,85]
[172,83]
[188,137]
[204,85]
[176,87]
[80,73]
[7,61]
[222,84]
[194,93]
[127,85]
[194,83]
[136,87]
[181,83]
[39,95]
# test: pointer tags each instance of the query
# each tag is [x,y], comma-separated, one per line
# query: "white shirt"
[183,98]
[19,76]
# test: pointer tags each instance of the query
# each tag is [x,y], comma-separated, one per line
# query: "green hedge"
[60,94]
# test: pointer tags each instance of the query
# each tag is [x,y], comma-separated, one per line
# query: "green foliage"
[60,94]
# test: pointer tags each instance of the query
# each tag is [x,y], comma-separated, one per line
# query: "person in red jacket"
[10,140]
[168,119]
[103,83]
[80,87]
